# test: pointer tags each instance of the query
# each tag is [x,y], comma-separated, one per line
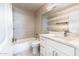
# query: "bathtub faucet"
[13,40]
[65,33]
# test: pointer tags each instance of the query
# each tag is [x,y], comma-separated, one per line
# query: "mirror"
[74,22]
[44,23]
[66,19]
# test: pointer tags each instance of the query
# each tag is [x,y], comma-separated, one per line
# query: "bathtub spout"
[13,40]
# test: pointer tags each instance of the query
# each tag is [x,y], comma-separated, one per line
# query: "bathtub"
[23,46]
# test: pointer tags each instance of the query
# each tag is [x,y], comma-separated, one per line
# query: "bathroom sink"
[60,36]
[68,38]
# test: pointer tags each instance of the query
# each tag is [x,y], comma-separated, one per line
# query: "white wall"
[23,23]
[39,18]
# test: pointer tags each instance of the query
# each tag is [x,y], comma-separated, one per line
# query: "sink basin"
[60,36]
[68,38]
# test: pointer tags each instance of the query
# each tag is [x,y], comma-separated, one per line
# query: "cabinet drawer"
[62,47]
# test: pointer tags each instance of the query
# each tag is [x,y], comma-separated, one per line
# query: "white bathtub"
[28,40]
[23,45]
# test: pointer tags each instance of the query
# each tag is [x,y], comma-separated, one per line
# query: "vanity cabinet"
[50,47]
[52,51]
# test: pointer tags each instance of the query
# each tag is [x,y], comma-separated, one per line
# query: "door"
[6,29]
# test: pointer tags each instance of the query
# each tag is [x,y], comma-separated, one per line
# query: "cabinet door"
[53,52]
[43,46]
[59,53]
[42,50]
[49,51]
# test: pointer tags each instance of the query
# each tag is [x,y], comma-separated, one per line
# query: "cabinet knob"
[56,54]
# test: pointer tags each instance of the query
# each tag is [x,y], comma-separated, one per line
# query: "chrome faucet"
[13,40]
[65,33]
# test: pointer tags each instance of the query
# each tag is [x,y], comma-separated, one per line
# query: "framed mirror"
[74,22]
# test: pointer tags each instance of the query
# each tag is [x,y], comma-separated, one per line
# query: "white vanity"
[58,45]
[64,20]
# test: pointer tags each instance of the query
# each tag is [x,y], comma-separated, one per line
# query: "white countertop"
[72,41]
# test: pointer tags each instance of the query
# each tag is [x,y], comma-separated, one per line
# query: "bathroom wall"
[23,23]
[39,20]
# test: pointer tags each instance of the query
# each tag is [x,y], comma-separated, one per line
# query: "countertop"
[69,40]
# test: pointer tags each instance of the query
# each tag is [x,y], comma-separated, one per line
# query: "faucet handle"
[65,32]
[13,40]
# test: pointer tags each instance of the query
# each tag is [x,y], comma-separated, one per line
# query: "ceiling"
[29,6]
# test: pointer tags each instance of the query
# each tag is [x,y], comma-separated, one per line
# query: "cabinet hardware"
[56,54]
[53,53]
